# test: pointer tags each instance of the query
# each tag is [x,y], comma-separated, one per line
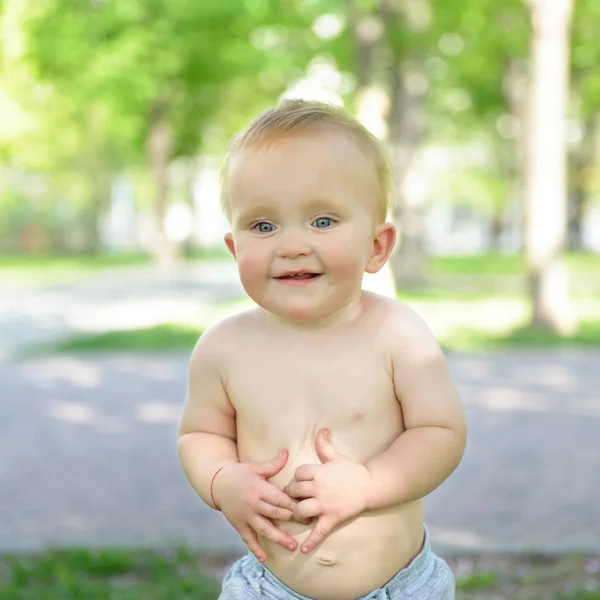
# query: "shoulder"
[400,328]
[219,339]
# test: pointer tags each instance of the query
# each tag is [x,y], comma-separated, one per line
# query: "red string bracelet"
[211,487]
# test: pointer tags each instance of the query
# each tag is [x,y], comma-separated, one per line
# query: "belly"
[359,556]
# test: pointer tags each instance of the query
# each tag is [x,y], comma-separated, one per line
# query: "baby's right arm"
[208,450]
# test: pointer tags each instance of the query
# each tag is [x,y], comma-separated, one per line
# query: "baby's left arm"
[432,446]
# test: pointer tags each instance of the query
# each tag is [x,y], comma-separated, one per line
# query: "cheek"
[346,257]
[253,265]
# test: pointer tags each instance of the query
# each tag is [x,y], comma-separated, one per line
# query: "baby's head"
[306,189]
[299,117]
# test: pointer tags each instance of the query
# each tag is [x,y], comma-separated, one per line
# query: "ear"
[383,244]
[229,243]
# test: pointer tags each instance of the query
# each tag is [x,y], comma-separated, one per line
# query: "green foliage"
[159,338]
[477,581]
[106,573]
[81,81]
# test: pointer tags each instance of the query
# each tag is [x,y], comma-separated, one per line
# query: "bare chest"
[298,388]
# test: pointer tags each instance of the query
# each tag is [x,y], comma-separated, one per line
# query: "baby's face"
[304,215]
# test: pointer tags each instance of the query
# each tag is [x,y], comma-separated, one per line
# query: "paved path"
[88,455]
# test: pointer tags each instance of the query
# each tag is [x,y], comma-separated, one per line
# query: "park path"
[88,442]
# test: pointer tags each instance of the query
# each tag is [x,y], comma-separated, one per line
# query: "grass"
[499,264]
[525,577]
[182,574]
[166,337]
[107,574]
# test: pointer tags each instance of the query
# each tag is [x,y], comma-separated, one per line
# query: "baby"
[318,421]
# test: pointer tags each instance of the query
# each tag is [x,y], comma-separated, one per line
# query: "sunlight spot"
[476,370]
[74,522]
[64,369]
[509,399]
[111,426]
[72,412]
[451,44]
[328,26]
[554,376]
[459,538]
[158,412]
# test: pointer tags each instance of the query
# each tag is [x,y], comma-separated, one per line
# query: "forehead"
[303,166]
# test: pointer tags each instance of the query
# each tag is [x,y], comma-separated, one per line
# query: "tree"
[545,226]
[163,69]
[585,85]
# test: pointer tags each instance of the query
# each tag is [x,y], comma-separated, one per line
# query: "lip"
[298,282]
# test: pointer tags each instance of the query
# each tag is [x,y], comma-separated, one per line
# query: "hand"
[248,501]
[334,492]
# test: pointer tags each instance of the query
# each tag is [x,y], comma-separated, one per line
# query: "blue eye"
[323,222]
[264,227]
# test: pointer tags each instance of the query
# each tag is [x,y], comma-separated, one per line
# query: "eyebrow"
[255,212]
[262,210]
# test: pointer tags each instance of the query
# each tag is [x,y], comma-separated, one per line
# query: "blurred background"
[114,117]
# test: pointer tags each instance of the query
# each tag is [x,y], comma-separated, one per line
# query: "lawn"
[182,574]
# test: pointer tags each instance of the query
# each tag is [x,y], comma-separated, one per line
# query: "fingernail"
[305,549]
[292,546]
[327,434]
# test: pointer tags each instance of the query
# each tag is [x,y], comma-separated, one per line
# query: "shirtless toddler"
[318,421]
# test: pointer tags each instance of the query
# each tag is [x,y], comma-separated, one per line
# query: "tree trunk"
[404,124]
[515,83]
[545,225]
[496,229]
[407,126]
[582,163]
[367,32]
[160,144]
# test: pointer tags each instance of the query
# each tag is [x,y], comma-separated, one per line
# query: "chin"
[299,315]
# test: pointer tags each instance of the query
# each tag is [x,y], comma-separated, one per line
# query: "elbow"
[460,437]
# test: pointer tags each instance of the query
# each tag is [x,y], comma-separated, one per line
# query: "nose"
[292,243]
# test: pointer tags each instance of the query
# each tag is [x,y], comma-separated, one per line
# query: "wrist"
[369,490]
[212,492]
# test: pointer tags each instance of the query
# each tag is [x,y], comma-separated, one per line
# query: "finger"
[250,538]
[324,447]
[274,512]
[264,528]
[273,495]
[321,530]
[307,509]
[305,472]
[301,489]
[271,467]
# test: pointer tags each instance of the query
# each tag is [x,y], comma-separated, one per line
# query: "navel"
[327,559]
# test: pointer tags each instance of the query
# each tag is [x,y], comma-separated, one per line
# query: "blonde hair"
[292,116]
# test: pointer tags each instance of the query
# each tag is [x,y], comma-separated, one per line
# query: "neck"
[343,316]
